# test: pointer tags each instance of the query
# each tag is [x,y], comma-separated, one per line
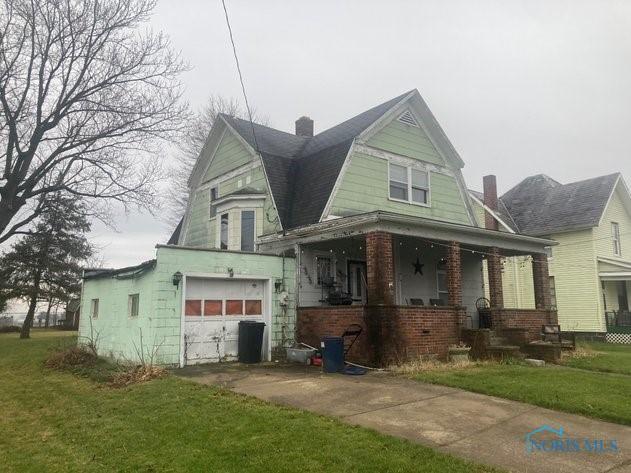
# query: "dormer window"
[408,184]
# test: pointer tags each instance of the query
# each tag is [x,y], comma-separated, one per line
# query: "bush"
[71,358]
[10,329]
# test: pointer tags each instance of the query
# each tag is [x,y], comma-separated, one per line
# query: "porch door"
[357,281]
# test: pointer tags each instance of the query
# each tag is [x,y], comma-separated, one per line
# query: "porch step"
[496,341]
[500,352]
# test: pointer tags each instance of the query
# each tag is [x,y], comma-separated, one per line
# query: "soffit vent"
[408,119]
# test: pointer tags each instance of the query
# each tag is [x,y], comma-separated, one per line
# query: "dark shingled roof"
[302,170]
[541,206]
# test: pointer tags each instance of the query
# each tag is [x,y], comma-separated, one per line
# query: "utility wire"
[236,59]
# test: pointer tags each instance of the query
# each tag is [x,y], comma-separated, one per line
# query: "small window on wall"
[234,307]
[133,302]
[420,187]
[324,270]
[94,308]
[398,182]
[615,235]
[213,197]
[247,230]
[193,308]
[224,232]
[212,307]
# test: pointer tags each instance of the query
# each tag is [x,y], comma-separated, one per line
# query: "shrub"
[10,329]
[71,358]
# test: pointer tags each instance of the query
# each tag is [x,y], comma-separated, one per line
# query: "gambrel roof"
[539,205]
[302,170]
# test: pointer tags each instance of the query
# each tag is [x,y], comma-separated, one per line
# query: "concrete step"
[499,352]
[496,341]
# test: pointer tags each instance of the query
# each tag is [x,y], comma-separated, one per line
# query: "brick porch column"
[541,281]
[496,291]
[454,274]
[379,268]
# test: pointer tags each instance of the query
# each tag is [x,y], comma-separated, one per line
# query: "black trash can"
[250,341]
[332,354]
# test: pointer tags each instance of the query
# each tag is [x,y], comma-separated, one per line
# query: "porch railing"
[618,321]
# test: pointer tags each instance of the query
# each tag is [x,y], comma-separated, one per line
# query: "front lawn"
[604,357]
[590,393]
[53,421]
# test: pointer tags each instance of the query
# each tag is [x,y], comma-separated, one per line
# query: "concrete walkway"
[482,428]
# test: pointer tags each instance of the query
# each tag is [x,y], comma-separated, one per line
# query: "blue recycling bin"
[332,354]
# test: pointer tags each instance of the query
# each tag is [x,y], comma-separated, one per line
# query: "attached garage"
[213,308]
[184,307]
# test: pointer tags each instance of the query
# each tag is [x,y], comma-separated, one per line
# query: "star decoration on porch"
[418,267]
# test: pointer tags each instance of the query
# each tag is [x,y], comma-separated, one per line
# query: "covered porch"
[411,283]
[615,280]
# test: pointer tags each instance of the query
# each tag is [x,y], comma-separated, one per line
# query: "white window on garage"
[133,303]
[94,308]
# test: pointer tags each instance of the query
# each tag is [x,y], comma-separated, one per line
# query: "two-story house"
[590,268]
[369,222]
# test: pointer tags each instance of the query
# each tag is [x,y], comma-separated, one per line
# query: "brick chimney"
[304,126]
[490,200]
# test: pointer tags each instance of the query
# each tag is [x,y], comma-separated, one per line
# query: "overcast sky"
[520,87]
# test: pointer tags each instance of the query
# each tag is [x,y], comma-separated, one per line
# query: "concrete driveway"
[482,428]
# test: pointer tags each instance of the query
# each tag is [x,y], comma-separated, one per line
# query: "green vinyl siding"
[364,188]
[198,231]
[406,140]
[603,238]
[230,154]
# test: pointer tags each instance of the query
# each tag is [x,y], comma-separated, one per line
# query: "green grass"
[53,421]
[590,393]
[607,358]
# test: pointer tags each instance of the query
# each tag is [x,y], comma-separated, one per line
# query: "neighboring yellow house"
[590,269]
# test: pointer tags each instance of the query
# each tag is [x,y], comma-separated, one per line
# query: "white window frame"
[220,225]
[130,305]
[94,308]
[211,206]
[615,238]
[253,230]
[442,271]
[409,184]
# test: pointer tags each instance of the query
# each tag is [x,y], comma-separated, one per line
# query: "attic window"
[408,119]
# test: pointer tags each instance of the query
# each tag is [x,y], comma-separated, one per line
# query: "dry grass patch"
[581,351]
[136,374]
[70,358]
[426,365]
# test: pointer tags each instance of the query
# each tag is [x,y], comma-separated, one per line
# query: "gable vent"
[408,119]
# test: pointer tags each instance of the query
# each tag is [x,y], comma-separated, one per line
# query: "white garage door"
[212,311]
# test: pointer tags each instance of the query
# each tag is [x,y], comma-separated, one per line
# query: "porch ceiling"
[346,227]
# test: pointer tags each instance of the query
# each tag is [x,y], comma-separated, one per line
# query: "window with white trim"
[133,303]
[324,270]
[247,230]
[615,236]
[223,232]
[213,197]
[408,184]
[94,308]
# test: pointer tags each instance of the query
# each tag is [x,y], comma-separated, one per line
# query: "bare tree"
[85,96]
[191,146]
